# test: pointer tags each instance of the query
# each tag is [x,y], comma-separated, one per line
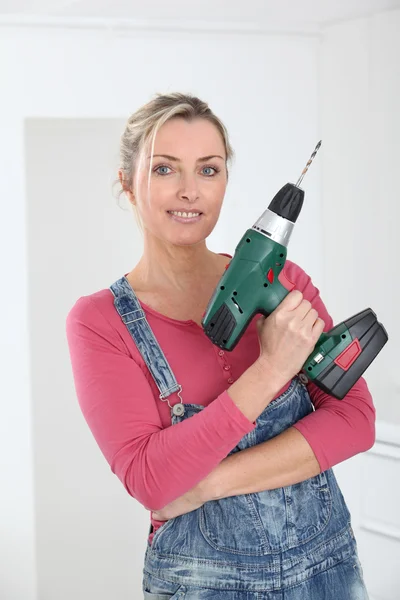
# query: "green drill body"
[246,289]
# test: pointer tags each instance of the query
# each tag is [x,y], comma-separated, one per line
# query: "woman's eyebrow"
[174,158]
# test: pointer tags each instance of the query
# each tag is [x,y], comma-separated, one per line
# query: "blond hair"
[142,127]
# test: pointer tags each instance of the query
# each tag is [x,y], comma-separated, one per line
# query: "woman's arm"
[284,460]
[337,430]
[287,458]
[121,410]
[334,432]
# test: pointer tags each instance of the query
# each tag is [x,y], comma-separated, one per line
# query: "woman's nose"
[189,188]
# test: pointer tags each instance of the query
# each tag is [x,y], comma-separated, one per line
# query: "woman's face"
[188,175]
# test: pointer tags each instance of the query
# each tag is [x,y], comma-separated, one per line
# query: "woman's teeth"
[184,214]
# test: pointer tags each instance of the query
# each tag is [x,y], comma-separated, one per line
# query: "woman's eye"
[159,172]
[210,169]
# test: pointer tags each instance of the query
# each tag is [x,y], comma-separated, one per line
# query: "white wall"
[90,536]
[360,124]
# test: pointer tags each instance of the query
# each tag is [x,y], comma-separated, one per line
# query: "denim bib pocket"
[155,588]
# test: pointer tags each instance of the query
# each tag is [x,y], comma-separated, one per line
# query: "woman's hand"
[288,335]
[192,500]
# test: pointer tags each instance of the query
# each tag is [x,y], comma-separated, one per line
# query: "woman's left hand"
[190,501]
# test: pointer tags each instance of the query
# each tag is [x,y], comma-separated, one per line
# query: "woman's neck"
[176,268]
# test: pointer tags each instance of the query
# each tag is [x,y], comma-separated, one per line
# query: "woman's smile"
[185,217]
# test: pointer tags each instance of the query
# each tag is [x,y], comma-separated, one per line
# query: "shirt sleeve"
[155,464]
[337,429]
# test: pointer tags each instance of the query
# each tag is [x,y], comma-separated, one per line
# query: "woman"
[244,502]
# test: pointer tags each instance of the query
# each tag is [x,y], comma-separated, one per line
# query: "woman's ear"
[125,187]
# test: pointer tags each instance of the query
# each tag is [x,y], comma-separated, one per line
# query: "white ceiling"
[261,12]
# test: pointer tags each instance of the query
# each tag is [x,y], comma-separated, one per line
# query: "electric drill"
[254,283]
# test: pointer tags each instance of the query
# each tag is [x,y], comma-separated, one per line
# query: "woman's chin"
[185,236]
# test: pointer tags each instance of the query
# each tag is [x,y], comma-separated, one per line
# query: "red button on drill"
[270,276]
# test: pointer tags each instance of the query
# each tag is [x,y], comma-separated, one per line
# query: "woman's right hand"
[288,335]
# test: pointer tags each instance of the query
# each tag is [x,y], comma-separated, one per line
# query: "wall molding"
[380,528]
[129,26]
[386,448]
[387,433]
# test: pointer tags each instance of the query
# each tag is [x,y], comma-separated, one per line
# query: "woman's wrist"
[255,389]
[268,373]
[206,489]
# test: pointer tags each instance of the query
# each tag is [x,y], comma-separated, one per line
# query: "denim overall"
[290,543]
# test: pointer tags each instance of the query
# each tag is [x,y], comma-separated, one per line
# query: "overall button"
[221,352]
[227,367]
[230,380]
[178,409]
[303,378]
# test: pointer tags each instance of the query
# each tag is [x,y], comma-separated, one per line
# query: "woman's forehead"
[198,135]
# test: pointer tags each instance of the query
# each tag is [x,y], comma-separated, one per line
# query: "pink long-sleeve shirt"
[120,401]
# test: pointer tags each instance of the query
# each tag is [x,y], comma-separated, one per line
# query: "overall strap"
[132,314]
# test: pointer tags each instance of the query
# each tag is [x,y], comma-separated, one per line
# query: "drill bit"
[309,163]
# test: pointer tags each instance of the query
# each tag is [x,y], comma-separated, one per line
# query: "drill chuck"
[287,203]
